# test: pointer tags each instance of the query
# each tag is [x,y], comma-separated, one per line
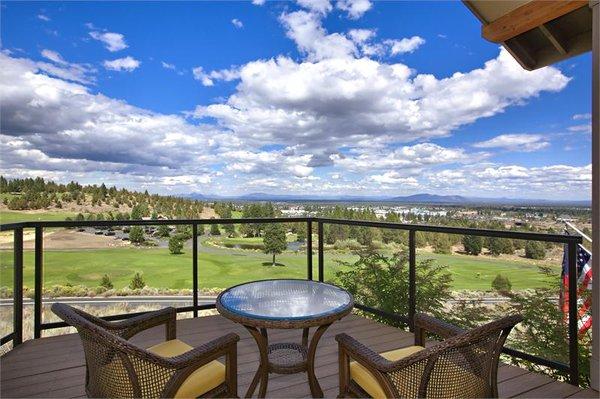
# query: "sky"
[341,97]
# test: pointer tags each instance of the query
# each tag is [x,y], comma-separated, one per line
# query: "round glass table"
[291,304]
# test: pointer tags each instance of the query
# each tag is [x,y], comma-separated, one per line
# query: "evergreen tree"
[136,235]
[274,239]
[472,244]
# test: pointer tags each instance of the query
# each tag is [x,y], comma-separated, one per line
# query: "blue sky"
[315,96]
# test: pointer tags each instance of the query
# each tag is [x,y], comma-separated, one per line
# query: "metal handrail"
[16,336]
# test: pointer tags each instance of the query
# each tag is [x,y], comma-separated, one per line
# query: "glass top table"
[285,300]
[291,304]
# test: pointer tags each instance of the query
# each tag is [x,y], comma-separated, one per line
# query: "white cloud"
[208,78]
[43,17]
[406,45]
[81,73]
[122,64]
[342,101]
[112,41]
[584,128]
[166,65]
[396,178]
[354,8]
[318,6]
[516,142]
[258,2]
[312,39]
[237,23]
[578,117]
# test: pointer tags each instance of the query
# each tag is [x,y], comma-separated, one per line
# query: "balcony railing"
[16,336]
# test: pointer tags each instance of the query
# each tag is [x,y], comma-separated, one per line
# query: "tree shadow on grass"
[271,264]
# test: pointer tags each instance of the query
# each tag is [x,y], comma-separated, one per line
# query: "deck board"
[54,366]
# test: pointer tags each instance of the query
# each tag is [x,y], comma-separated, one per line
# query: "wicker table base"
[285,358]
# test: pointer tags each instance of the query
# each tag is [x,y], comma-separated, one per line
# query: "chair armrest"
[130,327]
[425,323]
[208,351]
[362,353]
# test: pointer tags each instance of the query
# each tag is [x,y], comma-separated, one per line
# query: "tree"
[535,250]
[214,230]
[381,281]
[106,282]
[139,211]
[501,283]
[163,231]
[472,244]
[495,247]
[137,282]
[274,239]
[229,229]
[175,245]
[441,244]
[136,235]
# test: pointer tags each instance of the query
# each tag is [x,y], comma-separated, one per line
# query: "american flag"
[584,283]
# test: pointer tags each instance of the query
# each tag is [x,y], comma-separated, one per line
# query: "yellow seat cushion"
[365,379]
[200,381]
[469,385]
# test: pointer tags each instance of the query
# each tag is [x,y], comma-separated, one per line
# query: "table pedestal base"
[285,358]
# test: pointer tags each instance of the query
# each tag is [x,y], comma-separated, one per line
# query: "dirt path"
[66,239]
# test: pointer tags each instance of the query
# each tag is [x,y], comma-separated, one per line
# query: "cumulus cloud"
[354,8]
[406,45]
[122,64]
[49,124]
[516,142]
[208,78]
[305,29]
[258,2]
[111,40]
[341,101]
[237,23]
[319,6]
[59,67]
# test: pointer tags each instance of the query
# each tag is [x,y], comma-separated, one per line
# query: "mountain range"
[431,199]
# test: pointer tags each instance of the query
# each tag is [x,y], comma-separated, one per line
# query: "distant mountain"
[432,199]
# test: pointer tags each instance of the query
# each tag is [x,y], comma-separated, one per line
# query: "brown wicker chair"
[117,368]
[464,365]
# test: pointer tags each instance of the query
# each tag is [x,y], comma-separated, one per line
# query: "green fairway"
[226,267]
[16,216]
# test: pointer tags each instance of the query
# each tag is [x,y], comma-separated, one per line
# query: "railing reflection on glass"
[16,336]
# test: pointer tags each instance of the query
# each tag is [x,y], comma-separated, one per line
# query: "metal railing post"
[573,330]
[412,276]
[195,267]
[18,287]
[321,259]
[309,250]
[39,286]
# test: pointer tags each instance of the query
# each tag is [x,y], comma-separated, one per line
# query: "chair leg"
[344,371]
[231,372]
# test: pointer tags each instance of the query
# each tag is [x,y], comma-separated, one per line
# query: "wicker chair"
[464,365]
[117,368]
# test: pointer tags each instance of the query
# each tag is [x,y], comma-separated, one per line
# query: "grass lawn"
[16,216]
[223,268]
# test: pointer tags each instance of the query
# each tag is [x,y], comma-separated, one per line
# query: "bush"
[106,282]
[175,245]
[163,231]
[501,283]
[214,230]
[137,282]
[472,244]
[535,250]
[136,235]
[381,282]
[441,244]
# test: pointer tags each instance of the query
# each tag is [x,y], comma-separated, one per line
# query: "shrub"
[441,244]
[501,283]
[175,245]
[214,230]
[535,250]
[381,281]
[163,231]
[106,282]
[137,282]
[136,235]
[472,244]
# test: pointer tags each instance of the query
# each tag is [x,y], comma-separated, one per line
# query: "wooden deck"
[54,366]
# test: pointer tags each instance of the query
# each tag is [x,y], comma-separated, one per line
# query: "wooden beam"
[553,38]
[527,17]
